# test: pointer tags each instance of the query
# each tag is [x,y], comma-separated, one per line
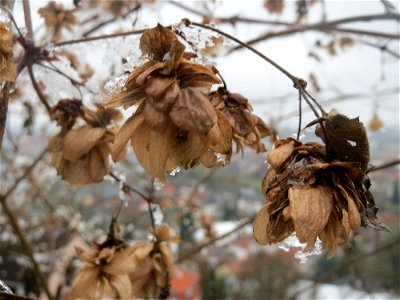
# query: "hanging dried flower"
[153,265]
[56,17]
[8,69]
[375,124]
[104,275]
[274,6]
[206,223]
[175,124]
[81,154]
[311,197]
[247,127]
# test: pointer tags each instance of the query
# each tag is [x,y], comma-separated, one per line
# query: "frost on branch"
[317,191]
[178,122]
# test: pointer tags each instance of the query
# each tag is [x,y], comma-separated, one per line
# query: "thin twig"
[196,249]
[100,37]
[25,244]
[381,48]
[365,32]
[35,85]
[329,26]
[386,165]
[104,23]
[7,10]
[243,44]
[28,19]
[346,264]
[27,171]
[4,97]
[297,82]
[300,117]
[8,296]
[131,188]
[231,20]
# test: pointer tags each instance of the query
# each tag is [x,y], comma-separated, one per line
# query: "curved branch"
[344,265]
[8,296]
[196,249]
[4,97]
[100,37]
[35,85]
[104,23]
[331,26]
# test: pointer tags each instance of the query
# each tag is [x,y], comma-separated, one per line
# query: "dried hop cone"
[247,127]
[154,265]
[274,6]
[175,124]
[81,153]
[8,69]
[309,196]
[105,274]
[56,17]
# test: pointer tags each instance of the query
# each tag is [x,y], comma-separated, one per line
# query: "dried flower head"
[314,198]
[175,124]
[375,124]
[274,6]
[247,127]
[56,17]
[8,69]
[104,274]
[154,265]
[66,112]
[81,153]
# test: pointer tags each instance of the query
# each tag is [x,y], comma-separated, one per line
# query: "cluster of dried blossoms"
[8,69]
[81,153]
[114,270]
[316,197]
[56,17]
[178,122]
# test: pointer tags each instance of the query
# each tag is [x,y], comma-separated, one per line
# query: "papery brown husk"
[310,197]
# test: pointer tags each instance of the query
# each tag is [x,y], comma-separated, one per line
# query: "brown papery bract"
[8,69]
[176,123]
[56,17]
[81,153]
[311,197]
[247,128]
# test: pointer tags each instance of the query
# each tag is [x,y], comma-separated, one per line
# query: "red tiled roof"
[185,285]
